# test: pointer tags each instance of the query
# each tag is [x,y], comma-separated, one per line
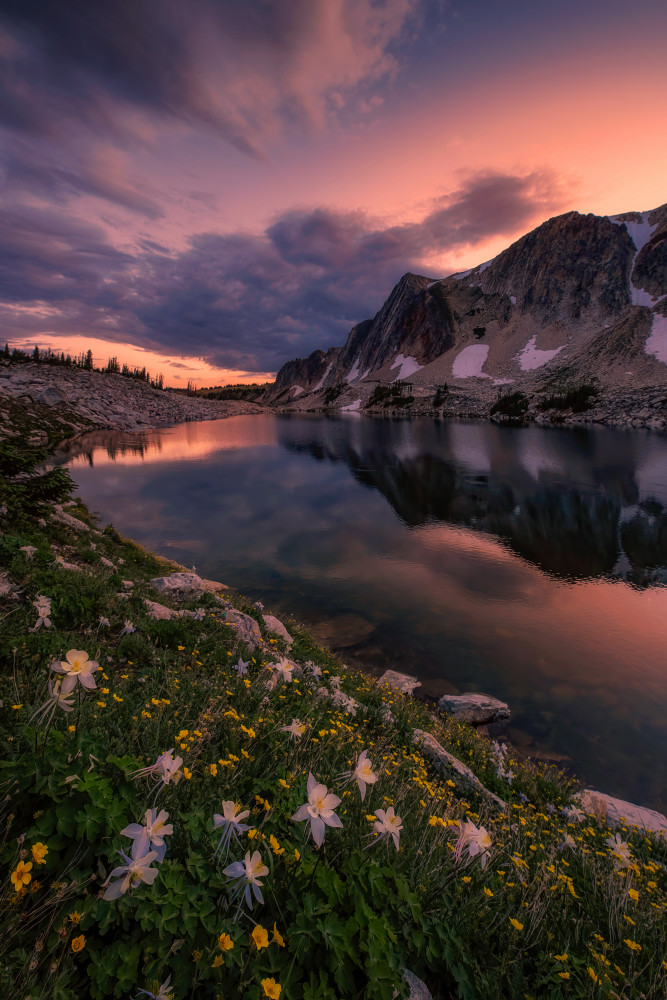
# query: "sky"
[213,188]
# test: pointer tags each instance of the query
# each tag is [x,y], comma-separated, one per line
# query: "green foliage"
[578,399]
[332,393]
[441,394]
[389,395]
[515,404]
[22,487]
[351,914]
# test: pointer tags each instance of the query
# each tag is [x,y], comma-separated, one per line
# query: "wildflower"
[249,872]
[225,942]
[620,850]
[516,924]
[151,836]
[78,943]
[363,773]
[42,606]
[75,917]
[21,875]
[165,992]
[568,842]
[198,616]
[39,852]
[230,822]
[241,667]
[127,629]
[487,892]
[260,937]
[134,873]
[57,699]
[277,936]
[632,945]
[345,701]
[213,770]
[592,973]
[387,825]
[283,668]
[296,729]
[561,958]
[271,989]
[477,840]
[564,975]
[315,671]
[319,810]
[633,894]
[165,769]
[29,551]
[77,667]
[574,814]
[102,622]
[275,846]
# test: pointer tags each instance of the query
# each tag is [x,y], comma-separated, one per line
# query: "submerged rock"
[617,812]
[405,683]
[474,708]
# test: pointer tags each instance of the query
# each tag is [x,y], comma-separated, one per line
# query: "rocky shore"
[71,400]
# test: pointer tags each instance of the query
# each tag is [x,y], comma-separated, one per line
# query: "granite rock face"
[274,624]
[580,300]
[616,812]
[446,763]
[405,683]
[182,586]
[474,708]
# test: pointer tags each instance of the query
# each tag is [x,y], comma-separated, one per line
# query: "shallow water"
[528,563]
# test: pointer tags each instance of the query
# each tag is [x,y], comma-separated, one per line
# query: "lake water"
[527,563]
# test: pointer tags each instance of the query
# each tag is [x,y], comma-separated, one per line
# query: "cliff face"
[581,297]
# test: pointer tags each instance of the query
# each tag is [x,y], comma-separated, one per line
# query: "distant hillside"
[579,301]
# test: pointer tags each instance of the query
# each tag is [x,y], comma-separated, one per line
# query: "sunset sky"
[213,187]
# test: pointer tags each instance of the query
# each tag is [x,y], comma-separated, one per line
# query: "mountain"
[581,300]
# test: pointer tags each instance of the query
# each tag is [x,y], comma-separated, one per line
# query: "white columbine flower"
[165,770]
[387,825]
[567,842]
[150,837]
[574,813]
[296,729]
[477,840]
[198,616]
[165,991]
[231,825]
[77,667]
[241,667]
[102,622]
[319,809]
[57,699]
[133,873]
[29,551]
[345,701]
[127,628]
[363,773]
[283,668]
[621,851]
[246,874]
[42,606]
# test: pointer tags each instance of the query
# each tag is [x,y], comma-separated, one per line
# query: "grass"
[543,917]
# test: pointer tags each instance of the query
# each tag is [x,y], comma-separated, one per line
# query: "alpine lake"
[528,563]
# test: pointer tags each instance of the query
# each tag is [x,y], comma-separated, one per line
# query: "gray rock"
[50,395]
[214,587]
[418,989]
[183,586]
[448,763]
[107,562]
[617,812]
[246,628]
[275,625]
[158,611]
[474,708]
[71,522]
[404,683]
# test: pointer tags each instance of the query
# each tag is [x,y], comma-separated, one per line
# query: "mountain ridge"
[580,299]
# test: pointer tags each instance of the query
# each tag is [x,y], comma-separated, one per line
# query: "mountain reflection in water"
[526,562]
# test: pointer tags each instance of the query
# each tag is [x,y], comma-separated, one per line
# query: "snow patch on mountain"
[297,390]
[531,357]
[470,361]
[354,371]
[408,366]
[656,342]
[322,380]
[351,407]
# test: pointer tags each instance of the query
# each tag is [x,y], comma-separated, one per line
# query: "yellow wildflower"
[218,960]
[277,937]
[633,894]
[21,875]
[261,937]
[225,942]
[487,892]
[516,924]
[632,945]
[271,989]
[39,852]
[212,770]
[78,943]
[561,958]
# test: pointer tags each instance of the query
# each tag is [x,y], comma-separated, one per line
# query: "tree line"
[84,361]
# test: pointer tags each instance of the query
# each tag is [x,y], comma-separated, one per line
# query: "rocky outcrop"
[81,400]
[405,683]
[582,299]
[476,709]
[274,625]
[180,586]
[447,763]
[616,812]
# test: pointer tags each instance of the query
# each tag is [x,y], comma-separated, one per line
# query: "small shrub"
[513,405]
[578,399]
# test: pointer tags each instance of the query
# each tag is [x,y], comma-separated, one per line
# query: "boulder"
[246,628]
[181,586]
[446,762]
[214,587]
[418,989]
[474,708]
[71,522]
[404,683]
[275,625]
[161,612]
[49,395]
[617,812]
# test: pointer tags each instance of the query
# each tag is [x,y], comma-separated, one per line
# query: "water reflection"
[525,562]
